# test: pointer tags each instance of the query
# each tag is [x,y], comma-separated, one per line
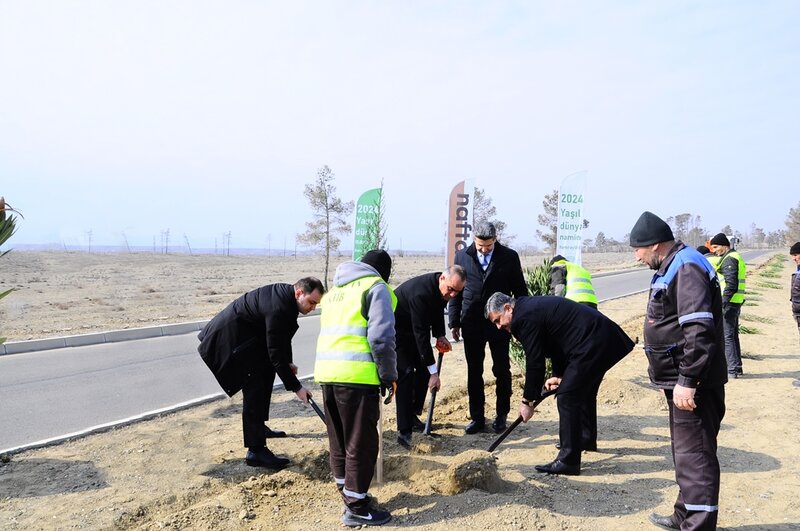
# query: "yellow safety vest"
[579,283]
[343,352]
[738,296]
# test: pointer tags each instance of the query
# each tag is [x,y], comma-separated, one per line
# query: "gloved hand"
[389,387]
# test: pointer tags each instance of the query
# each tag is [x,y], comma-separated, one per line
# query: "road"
[51,394]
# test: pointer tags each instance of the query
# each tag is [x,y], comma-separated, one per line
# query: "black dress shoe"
[404,440]
[417,425]
[265,459]
[499,425]
[664,522]
[475,426]
[559,467]
[273,434]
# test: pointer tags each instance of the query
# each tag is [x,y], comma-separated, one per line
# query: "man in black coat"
[582,343]
[418,317]
[249,342]
[490,267]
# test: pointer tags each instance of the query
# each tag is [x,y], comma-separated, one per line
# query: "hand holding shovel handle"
[516,423]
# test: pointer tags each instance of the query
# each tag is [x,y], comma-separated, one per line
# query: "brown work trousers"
[694,450]
[352,415]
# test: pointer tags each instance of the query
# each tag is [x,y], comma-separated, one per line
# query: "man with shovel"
[247,344]
[582,343]
[420,314]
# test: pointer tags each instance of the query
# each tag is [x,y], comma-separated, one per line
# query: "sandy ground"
[185,470]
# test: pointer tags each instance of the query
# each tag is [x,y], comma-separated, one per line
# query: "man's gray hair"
[485,230]
[456,270]
[496,303]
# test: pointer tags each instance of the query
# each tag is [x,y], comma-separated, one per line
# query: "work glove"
[388,388]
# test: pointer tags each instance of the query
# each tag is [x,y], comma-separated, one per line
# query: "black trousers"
[577,421]
[694,451]
[412,386]
[256,398]
[475,338]
[730,325]
[352,419]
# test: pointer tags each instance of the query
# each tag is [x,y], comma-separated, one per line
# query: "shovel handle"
[516,423]
[429,421]
[317,409]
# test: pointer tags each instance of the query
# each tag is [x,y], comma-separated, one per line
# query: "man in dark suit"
[420,315]
[249,342]
[582,343]
[490,267]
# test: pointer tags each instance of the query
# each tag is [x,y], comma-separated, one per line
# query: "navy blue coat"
[504,274]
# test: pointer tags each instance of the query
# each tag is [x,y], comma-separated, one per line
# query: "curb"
[112,336]
[18,347]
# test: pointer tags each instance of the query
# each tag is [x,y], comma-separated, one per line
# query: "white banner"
[569,233]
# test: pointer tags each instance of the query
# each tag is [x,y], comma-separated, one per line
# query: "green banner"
[367,231]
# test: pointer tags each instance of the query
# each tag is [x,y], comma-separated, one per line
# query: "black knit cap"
[381,261]
[650,229]
[795,249]
[702,249]
[720,239]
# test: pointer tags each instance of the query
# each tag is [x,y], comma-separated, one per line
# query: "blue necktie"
[484,262]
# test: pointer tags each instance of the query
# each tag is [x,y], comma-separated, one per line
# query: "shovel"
[429,421]
[516,423]
[317,409]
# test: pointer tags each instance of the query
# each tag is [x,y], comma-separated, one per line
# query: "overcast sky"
[129,118]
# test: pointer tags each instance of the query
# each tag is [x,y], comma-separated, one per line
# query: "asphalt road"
[51,394]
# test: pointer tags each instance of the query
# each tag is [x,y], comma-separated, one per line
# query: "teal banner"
[367,229]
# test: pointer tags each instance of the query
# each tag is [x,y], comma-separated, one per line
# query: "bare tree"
[330,217]
[549,220]
[484,210]
[793,225]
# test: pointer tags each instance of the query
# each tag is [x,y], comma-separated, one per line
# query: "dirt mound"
[473,469]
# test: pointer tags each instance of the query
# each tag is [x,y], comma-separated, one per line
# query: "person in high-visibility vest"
[356,362]
[731,271]
[711,257]
[568,279]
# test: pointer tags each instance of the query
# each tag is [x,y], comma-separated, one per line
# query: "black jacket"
[419,315]
[503,274]
[582,342]
[255,329]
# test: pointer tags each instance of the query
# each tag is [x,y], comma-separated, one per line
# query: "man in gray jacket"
[356,361]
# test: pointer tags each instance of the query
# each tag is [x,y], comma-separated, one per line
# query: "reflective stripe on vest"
[343,351]
[579,283]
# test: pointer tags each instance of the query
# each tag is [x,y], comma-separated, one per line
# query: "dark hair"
[309,284]
[485,230]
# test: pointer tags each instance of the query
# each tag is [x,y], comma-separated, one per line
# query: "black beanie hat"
[795,248]
[702,249]
[720,239]
[650,229]
[381,261]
